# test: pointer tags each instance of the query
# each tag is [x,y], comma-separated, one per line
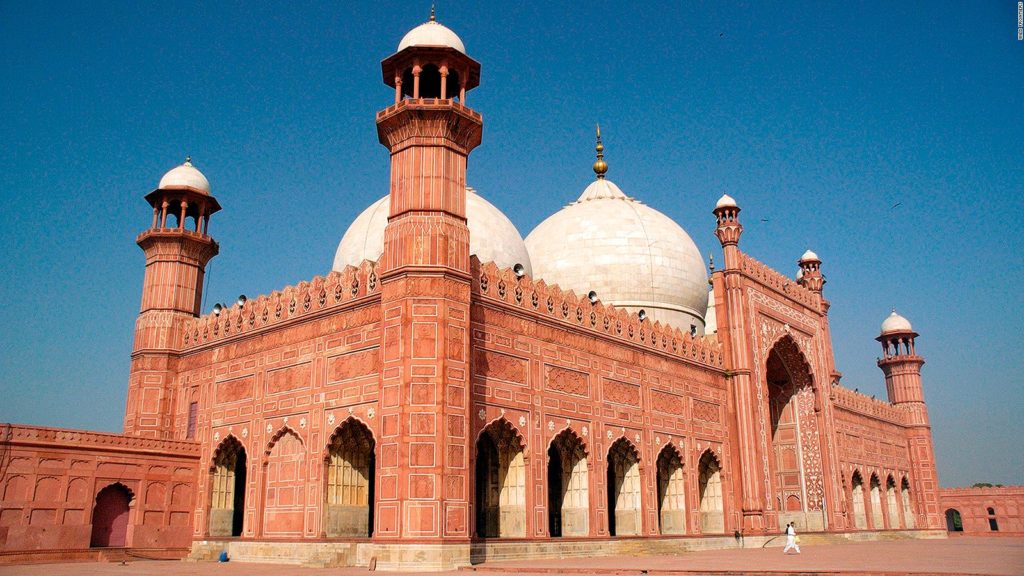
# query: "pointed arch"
[671,485]
[877,521]
[892,503]
[500,481]
[568,485]
[908,508]
[790,387]
[110,516]
[954,522]
[276,438]
[284,485]
[349,480]
[228,473]
[860,517]
[623,484]
[709,491]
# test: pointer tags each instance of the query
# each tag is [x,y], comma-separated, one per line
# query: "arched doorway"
[500,482]
[893,503]
[110,517]
[623,489]
[954,523]
[795,481]
[860,516]
[568,486]
[227,482]
[877,521]
[908,510]
[350,472]
[671,492]
[712,519]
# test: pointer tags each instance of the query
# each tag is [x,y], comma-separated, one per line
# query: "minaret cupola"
[810,276]
[431,63]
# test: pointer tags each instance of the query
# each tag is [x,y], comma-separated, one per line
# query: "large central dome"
[633,256]
[492,236]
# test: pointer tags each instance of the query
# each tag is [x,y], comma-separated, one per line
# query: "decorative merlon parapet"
[981,490]
[336,290]
[777,281]
[63,438]
[549,301]
[846,399]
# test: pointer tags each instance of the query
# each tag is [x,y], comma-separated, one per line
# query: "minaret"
[810,272]
[423,467]
[902,368]
[735,333]
[177,247]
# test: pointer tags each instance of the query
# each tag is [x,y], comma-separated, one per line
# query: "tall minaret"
[423,465]
[902,368]
[735,333]
[177,247]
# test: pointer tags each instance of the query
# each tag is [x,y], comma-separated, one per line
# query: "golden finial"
[433,18]
[600,167]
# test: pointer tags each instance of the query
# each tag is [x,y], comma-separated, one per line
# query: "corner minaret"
[177,247]
[901,364]
[810,272]
[902,368]
[430,132]
[425,291]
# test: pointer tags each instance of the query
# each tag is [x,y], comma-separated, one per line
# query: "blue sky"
[818,118]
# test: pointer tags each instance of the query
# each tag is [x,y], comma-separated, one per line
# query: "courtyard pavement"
[959,556]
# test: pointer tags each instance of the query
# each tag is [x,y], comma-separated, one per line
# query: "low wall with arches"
[71,494]
[988,511]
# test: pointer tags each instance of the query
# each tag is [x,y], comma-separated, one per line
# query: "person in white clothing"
[791,540]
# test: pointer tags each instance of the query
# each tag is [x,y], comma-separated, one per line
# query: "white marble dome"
[809,256]
[896,323]
[726,201]
[185,176]
[633,256]
[432,33]
[492,236]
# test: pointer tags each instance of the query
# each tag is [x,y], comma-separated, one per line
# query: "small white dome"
[809,256]
[633,256]
[896,323]
[185,176]
[432,33]
[492,236]
[726,201]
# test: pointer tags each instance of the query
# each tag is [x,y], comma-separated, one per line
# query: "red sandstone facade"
[427,405]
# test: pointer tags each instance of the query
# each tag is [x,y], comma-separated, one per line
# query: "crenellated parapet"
[549,301]
[780,283]
[64,438]
[845,399]
[337,290]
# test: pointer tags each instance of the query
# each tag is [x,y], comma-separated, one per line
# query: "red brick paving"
[955,556]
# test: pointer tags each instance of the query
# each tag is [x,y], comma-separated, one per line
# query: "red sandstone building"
[452,391]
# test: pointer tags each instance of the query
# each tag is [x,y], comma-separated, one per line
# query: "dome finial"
[433,17]
[188,160]
[600,167]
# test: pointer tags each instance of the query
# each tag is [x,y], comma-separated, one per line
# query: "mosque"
[451,391]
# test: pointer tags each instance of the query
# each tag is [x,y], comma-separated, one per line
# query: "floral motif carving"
[621,393]
[667,403]
[567,381]
[706,411]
